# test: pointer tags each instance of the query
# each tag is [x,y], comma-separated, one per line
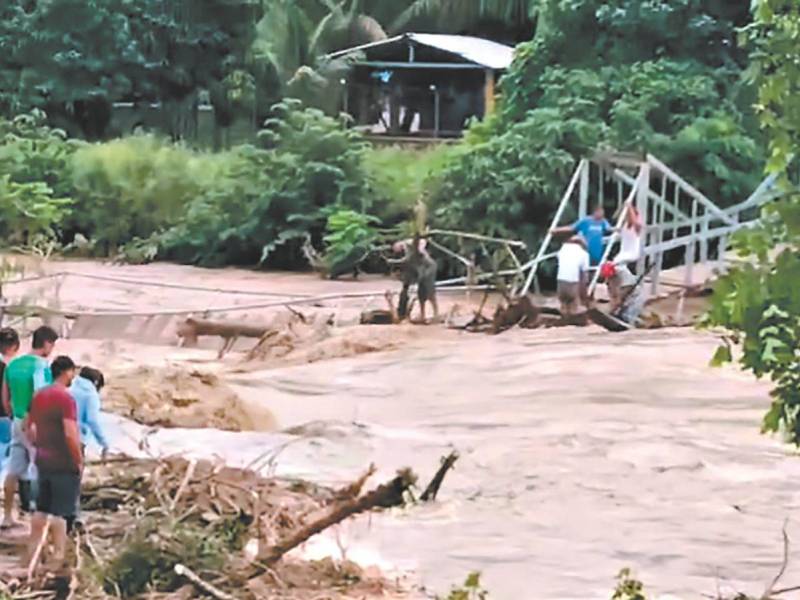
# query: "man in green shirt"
[23,377]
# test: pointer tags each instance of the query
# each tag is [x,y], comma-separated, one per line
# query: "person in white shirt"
[630,236]
[573,268]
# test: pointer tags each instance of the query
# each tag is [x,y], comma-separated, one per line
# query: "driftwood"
[448,462]
[518,312]
[384,496]
[183,571]
[353,490]
[191,329]
[381,316]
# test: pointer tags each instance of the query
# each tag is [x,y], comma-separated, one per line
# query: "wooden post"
[488,93]
[583,198]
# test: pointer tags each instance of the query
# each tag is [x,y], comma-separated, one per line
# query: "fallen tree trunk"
[192,328]
[384,496]
[448,462]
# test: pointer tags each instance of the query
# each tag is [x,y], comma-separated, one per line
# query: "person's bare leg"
[36,542]
[9,491]
[422,311]
[59,528]
[435,304]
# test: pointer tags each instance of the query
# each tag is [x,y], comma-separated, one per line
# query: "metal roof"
[480,51]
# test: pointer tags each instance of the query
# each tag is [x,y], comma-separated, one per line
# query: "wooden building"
[422,85]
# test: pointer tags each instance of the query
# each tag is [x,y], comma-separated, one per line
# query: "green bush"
[148,557]
[349,239]
[34,186]
[399,177]
[265,200]
[135,186]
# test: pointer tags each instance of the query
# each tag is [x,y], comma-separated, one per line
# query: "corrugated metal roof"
[476,50]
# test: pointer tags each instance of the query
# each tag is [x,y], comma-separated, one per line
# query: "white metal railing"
[686,218]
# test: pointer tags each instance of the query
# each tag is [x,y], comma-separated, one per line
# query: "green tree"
[654,75]
[759,303]
[74,58]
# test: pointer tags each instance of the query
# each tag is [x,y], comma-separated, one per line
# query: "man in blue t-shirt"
[593,229]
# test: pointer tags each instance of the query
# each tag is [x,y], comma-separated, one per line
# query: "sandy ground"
[582,452]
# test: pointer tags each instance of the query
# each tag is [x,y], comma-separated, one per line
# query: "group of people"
[49,412]
[585,249]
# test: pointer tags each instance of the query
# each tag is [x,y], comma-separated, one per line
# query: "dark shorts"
[569,291]
[59,494]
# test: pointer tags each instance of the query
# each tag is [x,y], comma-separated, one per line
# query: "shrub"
[265,200]
[399,177]
[134,187]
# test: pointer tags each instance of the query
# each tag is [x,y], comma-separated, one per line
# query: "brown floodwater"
[582,452]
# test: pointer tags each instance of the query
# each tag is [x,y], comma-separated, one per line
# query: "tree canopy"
[759,303]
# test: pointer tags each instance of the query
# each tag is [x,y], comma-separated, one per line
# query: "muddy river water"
[582,452]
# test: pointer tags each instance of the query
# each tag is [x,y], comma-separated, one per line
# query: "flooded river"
[582,452]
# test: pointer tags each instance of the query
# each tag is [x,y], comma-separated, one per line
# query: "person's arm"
[73,439]
[6,395]
[29,429]
[41,377]
[93,419]
[563,230]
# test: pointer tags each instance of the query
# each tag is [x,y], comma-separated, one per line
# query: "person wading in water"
[418,268]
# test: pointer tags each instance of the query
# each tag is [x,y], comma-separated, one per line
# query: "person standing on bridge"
[573,269]
[593,229]
[630,236]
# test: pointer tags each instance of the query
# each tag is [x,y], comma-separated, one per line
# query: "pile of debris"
[180,529]
[293,338]
[179,397]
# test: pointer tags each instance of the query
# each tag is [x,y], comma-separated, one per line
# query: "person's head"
[95,376]
[599,213]
[63,370]
[44,340]
[9,342]
[578,240]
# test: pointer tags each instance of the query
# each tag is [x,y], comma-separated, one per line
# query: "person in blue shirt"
[593,229]
[85,390]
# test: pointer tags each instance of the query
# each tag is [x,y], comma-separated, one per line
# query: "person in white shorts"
[573,269]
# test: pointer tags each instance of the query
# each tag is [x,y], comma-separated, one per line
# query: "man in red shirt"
[53,429]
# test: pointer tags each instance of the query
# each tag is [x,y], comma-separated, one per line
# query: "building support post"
[488,93]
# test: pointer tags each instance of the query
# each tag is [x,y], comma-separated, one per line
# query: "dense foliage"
[655,75]
[75,58]
[759,303]
[659,76]
[220,208]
